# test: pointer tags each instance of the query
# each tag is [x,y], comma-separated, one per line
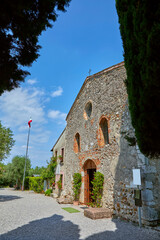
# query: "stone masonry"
[102,99]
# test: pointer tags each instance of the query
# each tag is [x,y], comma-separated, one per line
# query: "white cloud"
[19,105]
[57,93]
[40,138]
[24,146]
[16,109]
[55,114]
[31,81]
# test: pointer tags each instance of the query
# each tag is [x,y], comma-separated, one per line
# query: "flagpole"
[26,159]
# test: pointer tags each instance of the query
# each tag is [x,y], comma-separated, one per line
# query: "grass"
[70,210]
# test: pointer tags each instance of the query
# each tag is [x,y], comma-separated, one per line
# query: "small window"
[88,110]
[56,154]
[77,143]
[104,131]
[62,154]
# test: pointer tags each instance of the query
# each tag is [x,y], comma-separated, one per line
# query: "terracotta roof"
[95,75]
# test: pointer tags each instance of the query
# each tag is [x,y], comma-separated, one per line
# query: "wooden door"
[86,187]
[91,176]
[89,169]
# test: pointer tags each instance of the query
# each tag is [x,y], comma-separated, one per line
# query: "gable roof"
[58,140]
[94,75]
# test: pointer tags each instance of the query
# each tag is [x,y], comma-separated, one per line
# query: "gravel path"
[26,216]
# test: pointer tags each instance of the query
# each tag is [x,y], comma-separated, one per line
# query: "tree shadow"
[5,198]
[47,228]
[125,231]
[55,228]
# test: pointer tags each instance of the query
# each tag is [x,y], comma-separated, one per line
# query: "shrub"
[77,182]
[59,184]
[97,189]
[36,184]
[48,192]
[26,183]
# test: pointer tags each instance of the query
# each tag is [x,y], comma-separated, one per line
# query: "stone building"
[59,152]
[99,137]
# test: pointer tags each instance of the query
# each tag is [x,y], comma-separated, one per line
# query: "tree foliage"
[2,170]
[140,31]
[36,184]
[6,142]
[49,171]
[13,174]
[36,171]
[21,23]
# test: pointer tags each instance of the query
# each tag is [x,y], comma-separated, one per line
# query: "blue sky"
[85,37]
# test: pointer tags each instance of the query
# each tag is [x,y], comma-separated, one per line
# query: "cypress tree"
[140,32]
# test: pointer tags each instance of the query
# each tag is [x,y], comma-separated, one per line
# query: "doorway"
[89,170]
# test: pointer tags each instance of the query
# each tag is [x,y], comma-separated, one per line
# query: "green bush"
[26,183]
[36,184]
[77,182]
[59,184]
[97,189]
[48,192]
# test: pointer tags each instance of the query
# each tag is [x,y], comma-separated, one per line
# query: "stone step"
[98,213]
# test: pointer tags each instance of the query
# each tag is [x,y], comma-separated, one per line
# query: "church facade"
[99,137]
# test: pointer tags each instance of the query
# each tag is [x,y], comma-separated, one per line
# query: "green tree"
[140,31]
[36,184]
[6,142]
[2,170]
[21,23]
[17,169]
[49,171]
[6,176]
[37,171]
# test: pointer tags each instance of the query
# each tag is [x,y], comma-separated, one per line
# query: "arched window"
[104,131]
[77,143]
[88,110]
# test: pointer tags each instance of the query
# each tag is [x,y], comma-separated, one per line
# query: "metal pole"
[25,159]
[139,212]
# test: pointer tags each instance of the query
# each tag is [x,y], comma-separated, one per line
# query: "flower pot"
[75,203]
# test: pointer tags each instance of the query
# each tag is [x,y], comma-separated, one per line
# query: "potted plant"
[77,182]
[60,158]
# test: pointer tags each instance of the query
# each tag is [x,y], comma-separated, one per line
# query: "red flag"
[29,122]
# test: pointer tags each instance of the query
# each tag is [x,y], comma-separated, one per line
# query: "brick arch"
[89,168]
[77,143]
[103,131]
[89,164]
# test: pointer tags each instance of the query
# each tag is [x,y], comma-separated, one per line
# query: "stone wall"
[106,93]
[130,157]
[57,150]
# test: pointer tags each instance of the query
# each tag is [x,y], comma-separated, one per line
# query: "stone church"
[97,138]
